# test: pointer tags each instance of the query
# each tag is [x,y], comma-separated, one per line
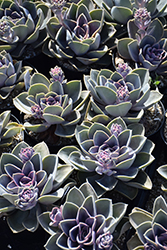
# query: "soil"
[53,141]
[7,103]
[153,118]
[165,128]
[18,138]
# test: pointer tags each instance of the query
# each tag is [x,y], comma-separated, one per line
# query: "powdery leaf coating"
[28,182]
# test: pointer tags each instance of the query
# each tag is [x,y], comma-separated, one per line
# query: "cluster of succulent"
[54,102]
[92,223]
[146,44]
[123,10]
[30,179]
[71,193]
[124,92]
[80,35]
[151,229]
[111,156]
[22,25]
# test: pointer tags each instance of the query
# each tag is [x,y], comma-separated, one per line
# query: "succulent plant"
[52,103]
[123,10]
[146,44]
[118,93]
[84,221]
[111,156]
[12,74]
[30,180]
[22,25]
[80,37]
[8,129]
[151,229]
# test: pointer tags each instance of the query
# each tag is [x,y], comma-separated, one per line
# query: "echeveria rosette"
[53,103]
[12,74]
[113,94]
[22,25]
[82,38]
[86,222]
[8,129]
[151,228]
[111,156]
[123,10]
[147,48]
[30,180]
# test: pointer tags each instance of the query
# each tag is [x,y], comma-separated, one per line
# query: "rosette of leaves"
[112,156]
[8,129]
[13,76]
[22,25]
[121,11]
[151,228]
[30,180]
[84,221]
[118,93]
[146,44]
[52,103]
[81,36]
